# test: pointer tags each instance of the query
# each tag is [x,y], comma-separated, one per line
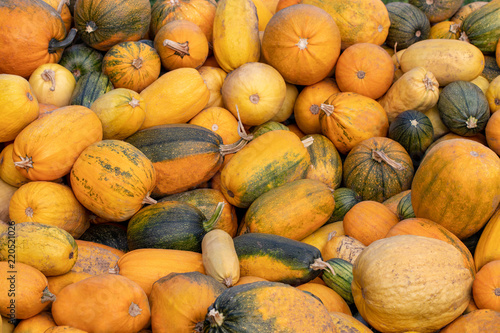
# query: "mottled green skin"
[266,127]
[341,281]
[405,209]
[297,256]
[491,69]
[460,101]
[326,164]
[345,199]
[437,11]
[375,180]
[406,20]
[175,141]
[107,234]
[167,225]
[249,308]
[89,88]
[81,59]
[482,27]
[414,131]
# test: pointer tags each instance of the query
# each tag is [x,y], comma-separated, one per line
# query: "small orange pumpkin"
[61,6]
[486,286]
[181,43]
[479,321]
[39,323]
[330,298]
[220,121]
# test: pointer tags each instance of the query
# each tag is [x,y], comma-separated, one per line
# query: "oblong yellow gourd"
[417,89]
[321,236]
[236,34]
[487,248]
[448,59]
[219,257]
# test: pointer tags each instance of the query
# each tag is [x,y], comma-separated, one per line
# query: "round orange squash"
[457,185]
[479,321]
[61,6]
[58,282]
[64,329]
[181,43]
[303,43]
[486,286]
[307,107]
[220,121]
[103,303]
[366,69]
[38,323]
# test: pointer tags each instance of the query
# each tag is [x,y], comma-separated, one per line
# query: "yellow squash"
[219,257]
[487,248]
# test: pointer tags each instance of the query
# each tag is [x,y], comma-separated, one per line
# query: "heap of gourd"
[249,166]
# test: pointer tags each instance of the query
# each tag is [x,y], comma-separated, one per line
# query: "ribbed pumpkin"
[95,258]
[445,30]
[200,12]
[457,162]
[18,106]
[31,292]
[393,202]
[481,27]
[113,179]
[33,34]
[145,266]
[344,120]
[369,221]
[487,249]
[181,43]
[220,121]
[326,164]
[89,88]
[62,9]
[271,160]
[307,109]
[47,148]
[214,78]
[175,97]
[366,69]
[96,295]
[49,203]
[303,43]
[437,291]
[378,168]
[235,23]
[345,199]
[483,320]
[486,286]
[98,24]
[131,65]
[408,25]
[254,92]
[437,10]
[8,171]
[52,84]
[81,59]
[404,209]
[359,21]
[179,301]
[247,308]
[465,10]
[428,228]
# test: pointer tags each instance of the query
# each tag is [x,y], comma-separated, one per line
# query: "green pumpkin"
[81,59]
[482,27]
[345,198]
[405,209]
[108,234]
[337,274]
[463,108]
[408,25]
[437,10]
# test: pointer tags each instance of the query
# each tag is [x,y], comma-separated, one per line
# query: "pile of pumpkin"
[249,166]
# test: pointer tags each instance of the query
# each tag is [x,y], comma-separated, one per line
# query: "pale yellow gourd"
[52,84]
[219,257]
[321,236]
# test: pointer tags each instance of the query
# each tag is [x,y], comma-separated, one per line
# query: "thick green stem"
[55,44]
[210,223]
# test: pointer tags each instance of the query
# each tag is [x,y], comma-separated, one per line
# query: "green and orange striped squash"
[437,10]
[345,199]
[269,161]
[131,65]
[106,23]
[408,25]
[90,87]
[326,164]
[482,27]
[378,168]
[443,192]
[405,209]
[293,210]
[113,179]
[81,59]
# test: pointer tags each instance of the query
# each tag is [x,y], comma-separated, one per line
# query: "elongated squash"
[271,160]
[448,59]
[95,258]
[487,248]
[236,26]
[326,164]
[276,258]
[219,257]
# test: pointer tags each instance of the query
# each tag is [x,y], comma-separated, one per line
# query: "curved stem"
[55,44]
[308,141]
[50,75]
[327,108]
[241,129]
[47,296]
[148,200]
[232,147]
[323,265]
[25,163]
[181,48]
[210,223]
[61,5]
[380,157]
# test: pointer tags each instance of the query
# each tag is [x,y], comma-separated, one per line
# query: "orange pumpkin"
[8,171]
[479,321]
[445,30]
[220,121]
[64,329]
[366,69]
[368,221]
[33,34]
[58,282]
[181,43]
[303,43]
[61,6]
[486,286]
[307,107]
[131,65]
[38,323]
[285,3]
[332,301]
[103,303]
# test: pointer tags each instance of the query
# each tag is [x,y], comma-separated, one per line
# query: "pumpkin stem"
[215,317]
[463,37]
[471,122]
[429,85]
[134,102]
[232,147]
[55,44]
[90,27]
[380,157]
[182,49]
[134,310]
[61,4]
[327,108]
[241,129]
[254,98]
[148,200]
[454,28]
[137,63]
[308,141]
[323,265]
[228,282]
[47,296]
[114,270]
[49,75]
[331,235]
[396,54]
[25,163]
[29,212]
[210,223]
[497,292]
